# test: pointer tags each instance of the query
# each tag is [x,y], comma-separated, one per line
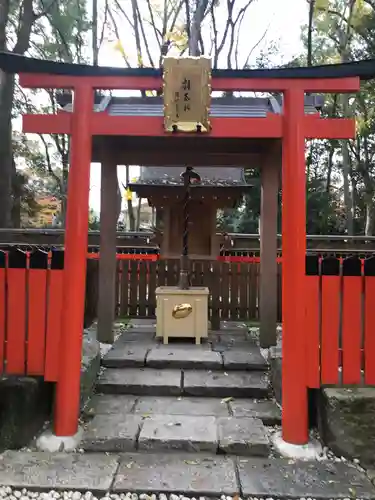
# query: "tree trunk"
[196,26]
[64,186]
[95,54]
[119,203]
[138,224]
[309,33]
[130,204]
[370,216]
[348,199]
[7,168]
[17,190]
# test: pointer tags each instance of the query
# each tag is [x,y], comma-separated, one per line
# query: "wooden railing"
[340,321]
[30,312]
[143,240]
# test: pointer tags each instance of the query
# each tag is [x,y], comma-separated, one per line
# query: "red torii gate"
[292,127]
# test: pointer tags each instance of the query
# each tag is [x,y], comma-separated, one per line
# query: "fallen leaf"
[226,400]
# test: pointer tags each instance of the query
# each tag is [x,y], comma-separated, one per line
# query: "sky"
[283,18]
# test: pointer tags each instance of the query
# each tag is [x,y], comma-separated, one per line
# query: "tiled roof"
[210,176]
[246,107]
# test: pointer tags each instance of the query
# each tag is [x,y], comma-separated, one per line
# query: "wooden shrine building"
[219,188]
[223,184]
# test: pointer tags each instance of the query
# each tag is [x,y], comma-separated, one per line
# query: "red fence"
[30,312]
[340,321]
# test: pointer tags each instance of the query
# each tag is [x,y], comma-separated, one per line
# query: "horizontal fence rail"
[340,321]
[235,242]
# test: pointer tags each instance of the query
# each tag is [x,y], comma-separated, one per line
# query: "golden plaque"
[187,93]
[181,311]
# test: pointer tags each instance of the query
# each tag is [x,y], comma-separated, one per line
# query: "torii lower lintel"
[269,127]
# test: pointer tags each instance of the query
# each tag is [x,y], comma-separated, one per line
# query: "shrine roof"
[231,107]
[210,176]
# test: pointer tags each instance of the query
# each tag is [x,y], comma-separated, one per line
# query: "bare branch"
[158,35]
[101,39]
[255,46]
[145,41]
[48,161]
[117,33]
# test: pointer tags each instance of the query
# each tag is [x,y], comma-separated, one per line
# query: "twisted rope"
[187,176]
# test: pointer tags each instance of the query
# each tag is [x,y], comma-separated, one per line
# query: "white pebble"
[76,495]
[162,496]
[134,496]
[174,497]
[88,495]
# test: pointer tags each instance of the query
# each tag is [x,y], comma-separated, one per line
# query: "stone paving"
[193,427]
[179,420]
[178,397]
[198,475]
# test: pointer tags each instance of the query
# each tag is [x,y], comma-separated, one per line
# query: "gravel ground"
[7,493]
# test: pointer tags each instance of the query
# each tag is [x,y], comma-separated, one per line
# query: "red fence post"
[330,335]
[312,325]
[37,304]
[3,261]
[16,276]
[351,320]
[369,320]
[68,385]
[54,312]
[294,388]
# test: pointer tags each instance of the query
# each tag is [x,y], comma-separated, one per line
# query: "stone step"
[265,410]
[115,432]
[173,382]
[184,356]
[185,474]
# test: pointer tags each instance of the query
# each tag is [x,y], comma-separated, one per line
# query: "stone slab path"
[202,475]
[180,397]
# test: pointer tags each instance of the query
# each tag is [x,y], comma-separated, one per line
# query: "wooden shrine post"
[68,385]
[270,171]
[107,260]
